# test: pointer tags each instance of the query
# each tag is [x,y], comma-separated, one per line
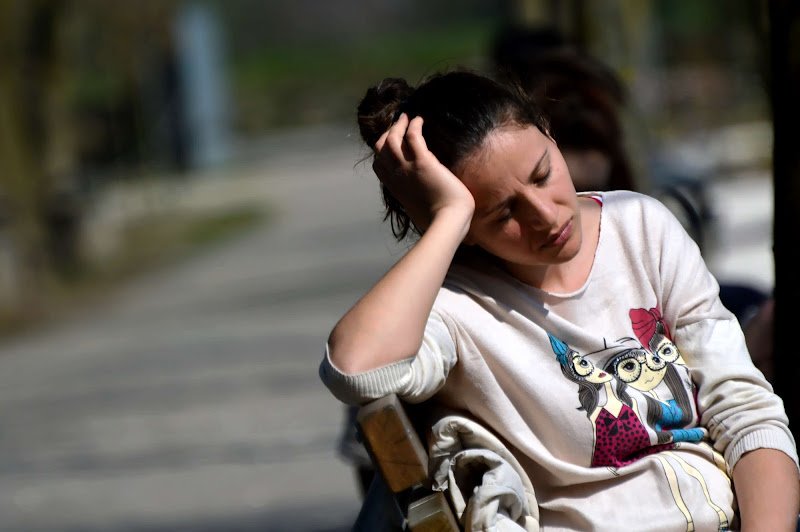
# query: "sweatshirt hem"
[762,439]
[360,388]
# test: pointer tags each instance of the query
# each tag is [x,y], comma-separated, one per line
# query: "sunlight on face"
[526,210]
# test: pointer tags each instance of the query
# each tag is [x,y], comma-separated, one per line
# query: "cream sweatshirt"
[628,402]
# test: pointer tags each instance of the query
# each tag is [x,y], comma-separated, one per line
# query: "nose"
[541,212]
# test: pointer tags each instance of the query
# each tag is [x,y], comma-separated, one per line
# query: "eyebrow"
[502,204]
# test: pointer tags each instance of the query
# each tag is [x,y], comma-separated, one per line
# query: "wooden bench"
[401,460]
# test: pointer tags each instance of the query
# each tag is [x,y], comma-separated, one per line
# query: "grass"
[148,245]
[156,241]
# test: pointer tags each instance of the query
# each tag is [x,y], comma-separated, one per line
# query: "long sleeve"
[414,379]
[736,403]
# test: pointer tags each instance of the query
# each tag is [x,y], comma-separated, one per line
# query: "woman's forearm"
[388,323]
[767,490]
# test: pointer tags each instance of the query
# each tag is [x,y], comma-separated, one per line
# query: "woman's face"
[526,210]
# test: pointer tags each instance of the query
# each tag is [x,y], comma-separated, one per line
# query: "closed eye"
[537,180]
[541,172]
[506,213]
[542,179]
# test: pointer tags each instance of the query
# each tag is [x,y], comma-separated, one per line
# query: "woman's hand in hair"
[423,185]
[386,325]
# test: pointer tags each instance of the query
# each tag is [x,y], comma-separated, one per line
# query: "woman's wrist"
[458,217]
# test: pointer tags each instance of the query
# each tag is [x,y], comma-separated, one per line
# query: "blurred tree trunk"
[45,52]
[625,36]
[27,50]
[784,21]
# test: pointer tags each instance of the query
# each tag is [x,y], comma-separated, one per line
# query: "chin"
[568,252]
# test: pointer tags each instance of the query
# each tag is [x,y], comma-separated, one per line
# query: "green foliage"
[707,30]
[301,84]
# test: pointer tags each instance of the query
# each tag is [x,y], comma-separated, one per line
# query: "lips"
[561,236]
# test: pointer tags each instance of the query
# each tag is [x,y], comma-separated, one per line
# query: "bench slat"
[394,444]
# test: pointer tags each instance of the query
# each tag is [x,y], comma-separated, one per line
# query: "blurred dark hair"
[460,110]
[580,95]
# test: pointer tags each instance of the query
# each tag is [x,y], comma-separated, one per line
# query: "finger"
[381,142]
[414,139]
[397,134]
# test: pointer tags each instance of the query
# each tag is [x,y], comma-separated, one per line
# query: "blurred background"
[184,217]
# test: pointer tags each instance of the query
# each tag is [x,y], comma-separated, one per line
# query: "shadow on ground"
[294,519]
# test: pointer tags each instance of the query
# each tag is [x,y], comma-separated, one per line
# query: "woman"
[509,256]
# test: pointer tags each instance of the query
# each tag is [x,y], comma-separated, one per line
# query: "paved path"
[190,400]
[742,247]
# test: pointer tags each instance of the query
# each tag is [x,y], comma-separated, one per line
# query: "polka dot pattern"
[621,440]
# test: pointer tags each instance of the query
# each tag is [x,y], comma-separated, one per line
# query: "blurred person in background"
[584,100]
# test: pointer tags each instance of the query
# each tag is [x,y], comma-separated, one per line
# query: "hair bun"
[378,108]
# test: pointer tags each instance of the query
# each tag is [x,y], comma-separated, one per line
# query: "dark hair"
[460,109]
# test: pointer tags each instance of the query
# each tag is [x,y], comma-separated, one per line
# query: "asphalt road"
[189,399]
